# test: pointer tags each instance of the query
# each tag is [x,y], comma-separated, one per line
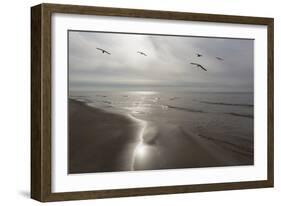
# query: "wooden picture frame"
[41,116]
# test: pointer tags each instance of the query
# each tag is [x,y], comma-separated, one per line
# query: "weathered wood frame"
[41,101]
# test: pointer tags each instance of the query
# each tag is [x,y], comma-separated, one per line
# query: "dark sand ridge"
[104,142]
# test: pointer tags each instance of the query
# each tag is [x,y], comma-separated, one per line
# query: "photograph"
[134,102]
[157,101]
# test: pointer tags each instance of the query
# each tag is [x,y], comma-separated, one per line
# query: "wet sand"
[107,142]
[99,141]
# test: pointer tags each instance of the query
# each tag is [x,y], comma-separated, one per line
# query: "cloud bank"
[167,65]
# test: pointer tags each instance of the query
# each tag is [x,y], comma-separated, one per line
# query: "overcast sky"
[167,64]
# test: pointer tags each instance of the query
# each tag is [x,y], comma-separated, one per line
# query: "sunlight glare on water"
[143,92]
[141,104]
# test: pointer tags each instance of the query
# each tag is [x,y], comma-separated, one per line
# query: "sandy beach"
[100,141]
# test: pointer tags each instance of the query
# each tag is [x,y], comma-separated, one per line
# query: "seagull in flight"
[142,53]
[103,51]
[199,65]
[199,55]
[219,58]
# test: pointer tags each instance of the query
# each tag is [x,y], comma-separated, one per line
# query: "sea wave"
[201,111]
[227,104]
[81,99]
[240,115]
[185,109]
[239,148]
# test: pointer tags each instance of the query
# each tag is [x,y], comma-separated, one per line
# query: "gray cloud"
[167,63]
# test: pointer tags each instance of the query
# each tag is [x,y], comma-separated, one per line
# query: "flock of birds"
[144,54]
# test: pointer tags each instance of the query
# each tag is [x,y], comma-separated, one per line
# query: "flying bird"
[142,53]
[199,55]
[199,65]
[103,51]
[219,58]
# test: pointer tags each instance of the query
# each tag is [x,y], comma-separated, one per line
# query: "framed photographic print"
[130,102]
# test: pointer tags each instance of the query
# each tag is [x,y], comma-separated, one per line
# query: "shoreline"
[100,141]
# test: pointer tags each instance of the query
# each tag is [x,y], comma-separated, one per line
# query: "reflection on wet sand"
[144,150]
[145,157]
[139,149]
[146,154]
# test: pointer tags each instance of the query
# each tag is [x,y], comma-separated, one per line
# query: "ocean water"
[224,118]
